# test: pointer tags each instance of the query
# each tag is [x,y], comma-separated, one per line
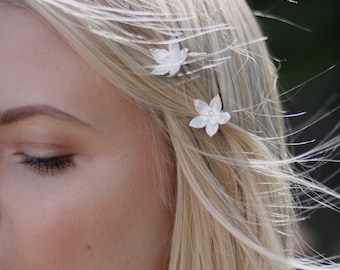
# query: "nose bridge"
[6,241]
[2,177]
[2,192]
[3,181]
[9,254]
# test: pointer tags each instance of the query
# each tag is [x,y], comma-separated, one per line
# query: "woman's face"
[78,187]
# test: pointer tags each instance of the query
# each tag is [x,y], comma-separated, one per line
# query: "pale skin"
[78,189]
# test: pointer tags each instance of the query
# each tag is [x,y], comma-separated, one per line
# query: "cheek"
[73,223]
[46,231]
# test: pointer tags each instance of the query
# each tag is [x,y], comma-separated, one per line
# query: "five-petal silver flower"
[210,116]
[169,61]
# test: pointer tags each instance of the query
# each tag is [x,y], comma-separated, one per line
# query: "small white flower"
[210,116]
[169,61]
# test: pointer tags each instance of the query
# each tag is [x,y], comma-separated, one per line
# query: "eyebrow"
[24,112]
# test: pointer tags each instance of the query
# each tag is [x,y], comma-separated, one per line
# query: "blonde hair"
[233,205]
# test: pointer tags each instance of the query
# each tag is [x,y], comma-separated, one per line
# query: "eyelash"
[49,165]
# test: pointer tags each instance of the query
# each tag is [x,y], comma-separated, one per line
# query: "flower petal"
[216,104]
[160,70]
[201,107]
[223,118]
[160,55]
[174,51]
[174,69]
[198,122]
[184,54]
[211,128]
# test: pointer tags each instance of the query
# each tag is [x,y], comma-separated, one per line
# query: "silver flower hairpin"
[210,116]
[169,61]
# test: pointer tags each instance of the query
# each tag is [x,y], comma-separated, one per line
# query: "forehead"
[22,24]
[28,40]
[38,67]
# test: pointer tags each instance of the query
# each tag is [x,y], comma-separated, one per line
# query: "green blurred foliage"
[303,55]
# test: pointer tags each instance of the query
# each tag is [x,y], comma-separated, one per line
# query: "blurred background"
[310,50]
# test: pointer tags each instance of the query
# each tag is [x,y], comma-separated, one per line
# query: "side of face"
[78,187]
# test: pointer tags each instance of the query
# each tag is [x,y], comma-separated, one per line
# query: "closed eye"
[48,165]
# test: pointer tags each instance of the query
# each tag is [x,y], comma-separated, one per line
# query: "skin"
[100,210]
